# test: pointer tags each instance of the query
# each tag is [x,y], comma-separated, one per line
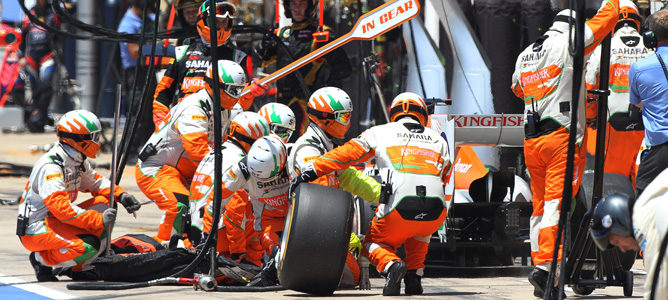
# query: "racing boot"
[393,278]
[538,278]
[413,283]
[43,273]
[268,275]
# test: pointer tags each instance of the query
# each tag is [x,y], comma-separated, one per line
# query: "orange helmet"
[247,127]
[80,129]
[409,104]
[628,14]
[331,108]
[224,10]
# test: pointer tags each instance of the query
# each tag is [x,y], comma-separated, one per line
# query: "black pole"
[583,242]
[601,120]
[217,135]
[578,69]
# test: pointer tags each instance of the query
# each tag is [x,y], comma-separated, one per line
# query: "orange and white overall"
[62,233]
[181,142]
[235,228]
[543,79]
[623,135]
[418,160]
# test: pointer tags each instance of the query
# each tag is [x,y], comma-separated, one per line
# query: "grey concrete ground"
[17,273]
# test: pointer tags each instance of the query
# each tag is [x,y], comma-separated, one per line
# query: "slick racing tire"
[315,240]
[364,213]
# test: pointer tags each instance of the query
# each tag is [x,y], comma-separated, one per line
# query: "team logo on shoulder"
[54,176]
[232,174]
[198,117]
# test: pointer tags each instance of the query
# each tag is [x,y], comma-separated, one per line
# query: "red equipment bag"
[135,243]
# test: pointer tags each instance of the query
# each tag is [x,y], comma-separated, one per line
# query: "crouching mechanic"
[642,227]
[167,162]
[417,159]
[269,184]
[245,128]
[58,232]
[330,109]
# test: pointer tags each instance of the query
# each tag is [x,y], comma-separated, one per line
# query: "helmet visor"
[225,10]
[601,238]
[283,132]
[232,90]
[95,137]
[342,117]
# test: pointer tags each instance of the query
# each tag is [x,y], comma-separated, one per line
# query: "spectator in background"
[39,63]
[329,70]
[648,84]
[185,17]
[132,72]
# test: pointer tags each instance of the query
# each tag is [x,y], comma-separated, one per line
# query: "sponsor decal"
[198,117]
[54,176]
[275,182]
[199,64]
[629,51]
[190,82]
[461,167]
[310,158]
[414,136]
[420,216]
[533,56]
[488,120]
[277,202]
[411,159]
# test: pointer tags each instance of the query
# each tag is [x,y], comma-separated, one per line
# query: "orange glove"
[256,89]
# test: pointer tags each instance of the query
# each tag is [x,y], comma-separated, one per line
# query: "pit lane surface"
[17,280]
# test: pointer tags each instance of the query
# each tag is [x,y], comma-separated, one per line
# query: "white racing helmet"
[267,157]
[281,119]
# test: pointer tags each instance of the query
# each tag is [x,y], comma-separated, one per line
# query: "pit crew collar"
[72,153]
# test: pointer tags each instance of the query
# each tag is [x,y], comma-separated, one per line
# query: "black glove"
[129,202]
[307,176]
[267,47]
[108,217]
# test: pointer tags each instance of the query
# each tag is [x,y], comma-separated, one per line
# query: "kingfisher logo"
[192,82]
[461,167]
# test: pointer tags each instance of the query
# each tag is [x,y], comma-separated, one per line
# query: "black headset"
[649,39]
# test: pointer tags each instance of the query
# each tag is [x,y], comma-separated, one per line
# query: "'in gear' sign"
[388,16]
